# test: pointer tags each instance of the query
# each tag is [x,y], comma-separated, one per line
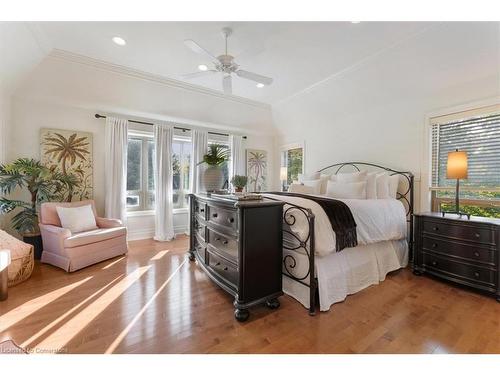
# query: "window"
[479,135]
[181,159]
[140,177]
[292,157]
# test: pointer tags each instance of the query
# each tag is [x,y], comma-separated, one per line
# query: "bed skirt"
[347,272]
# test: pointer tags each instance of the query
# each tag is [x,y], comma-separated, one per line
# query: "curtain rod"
[97,115]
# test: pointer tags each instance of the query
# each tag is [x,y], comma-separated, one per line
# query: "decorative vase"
[238,189]
[212,178]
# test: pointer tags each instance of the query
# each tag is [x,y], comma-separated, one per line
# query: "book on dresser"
[458,249]
[239,244]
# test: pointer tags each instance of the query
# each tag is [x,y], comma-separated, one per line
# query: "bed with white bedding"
[312,264]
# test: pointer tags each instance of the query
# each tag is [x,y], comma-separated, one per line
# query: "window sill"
[152,212]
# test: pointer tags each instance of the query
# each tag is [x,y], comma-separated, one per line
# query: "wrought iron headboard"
[405,194]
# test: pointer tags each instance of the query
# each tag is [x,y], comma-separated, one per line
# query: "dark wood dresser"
[239,244]
[459,250]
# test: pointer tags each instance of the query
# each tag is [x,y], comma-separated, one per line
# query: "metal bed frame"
[306,246]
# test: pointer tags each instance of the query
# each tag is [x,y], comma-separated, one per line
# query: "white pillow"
[371,185]
[308,177]
[382,183]
[77,219]
[315,185]
[324,180]
[346,190]
[301,189]
[351,177]
[393,186]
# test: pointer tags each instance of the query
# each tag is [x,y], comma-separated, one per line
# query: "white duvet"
[376,219]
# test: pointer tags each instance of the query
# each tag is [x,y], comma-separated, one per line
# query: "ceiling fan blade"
[227,85]
[198,74]
[254,77]
[195,47]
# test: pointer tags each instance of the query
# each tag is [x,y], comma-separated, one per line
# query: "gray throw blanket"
[340,217]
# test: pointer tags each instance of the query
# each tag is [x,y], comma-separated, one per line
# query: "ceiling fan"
[224,64]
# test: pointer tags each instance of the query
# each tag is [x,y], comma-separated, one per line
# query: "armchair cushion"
[93,236]
[108,223]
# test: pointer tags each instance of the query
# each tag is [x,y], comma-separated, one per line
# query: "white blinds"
[480,137]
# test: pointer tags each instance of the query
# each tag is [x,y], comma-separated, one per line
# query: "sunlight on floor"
[67,313]
[122,334]
[113,263]
[160,255]
[26,309]
[58,339]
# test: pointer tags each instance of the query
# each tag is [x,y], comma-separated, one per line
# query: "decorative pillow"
[315,184]
[371,185]
[382,182]
[346,190]
[393,186]
[351,177]
[301,189]
[308,177]
[77,219]
[324,180]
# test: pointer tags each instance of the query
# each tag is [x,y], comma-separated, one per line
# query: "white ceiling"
[295,54]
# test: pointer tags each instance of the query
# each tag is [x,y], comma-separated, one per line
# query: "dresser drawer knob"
[476,235]
[217,238]
[217,264]
[225,268]
[224,242]
[202,210]
[436,228]
[476,253]
[215,214]
[231,219]
[434,263]
[434,245]
[476,275]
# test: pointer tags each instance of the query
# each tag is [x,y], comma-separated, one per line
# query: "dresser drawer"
[200,209]
[466,273]
[223,268]
[199,229]
[223,217]
[460,232]
[225,245]
[200,247]
[460,250]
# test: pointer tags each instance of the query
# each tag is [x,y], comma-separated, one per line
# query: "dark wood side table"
[457,249]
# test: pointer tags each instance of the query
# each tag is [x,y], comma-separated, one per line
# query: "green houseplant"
[239,182]
[212,176]
[42,183]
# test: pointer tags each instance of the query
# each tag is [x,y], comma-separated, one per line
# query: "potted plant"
[239,182]
[42,183]
[213,176]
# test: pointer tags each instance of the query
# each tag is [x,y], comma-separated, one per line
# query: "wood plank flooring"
[154,301]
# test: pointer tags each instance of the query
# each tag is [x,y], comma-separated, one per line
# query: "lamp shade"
[284,173]
[457,165]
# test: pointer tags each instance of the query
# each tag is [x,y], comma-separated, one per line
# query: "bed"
[313,268]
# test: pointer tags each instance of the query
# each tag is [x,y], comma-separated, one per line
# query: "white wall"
[376,111]
[63,94]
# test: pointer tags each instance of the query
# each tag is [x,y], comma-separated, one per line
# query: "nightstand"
[457,249]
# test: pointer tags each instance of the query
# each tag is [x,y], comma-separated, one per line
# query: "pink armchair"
[73,251]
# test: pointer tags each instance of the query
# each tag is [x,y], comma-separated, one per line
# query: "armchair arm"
[53,237]
[108,223]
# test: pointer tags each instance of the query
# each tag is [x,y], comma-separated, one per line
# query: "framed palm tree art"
[70,153]
[256,170]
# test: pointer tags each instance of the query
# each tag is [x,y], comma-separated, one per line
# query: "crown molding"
[134,73]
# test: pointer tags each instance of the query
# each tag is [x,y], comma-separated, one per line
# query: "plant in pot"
[42,183]
[213,176]
[239,182]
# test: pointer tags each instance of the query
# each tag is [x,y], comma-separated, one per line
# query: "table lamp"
[457,168]
[283,176]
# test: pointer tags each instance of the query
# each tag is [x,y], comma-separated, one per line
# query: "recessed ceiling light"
[203,67]
[355,21]
[260,85]
[119,41]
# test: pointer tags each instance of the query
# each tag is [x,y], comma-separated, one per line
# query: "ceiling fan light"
[203,67]
[260,85]
[355,21]
[119,41]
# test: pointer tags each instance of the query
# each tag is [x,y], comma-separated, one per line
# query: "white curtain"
[163,175]
[199,139]
[237,160]
[115,162]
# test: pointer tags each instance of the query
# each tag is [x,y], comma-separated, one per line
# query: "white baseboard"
[143,234]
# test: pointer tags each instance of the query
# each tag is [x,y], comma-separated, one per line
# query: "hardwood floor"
[155,301]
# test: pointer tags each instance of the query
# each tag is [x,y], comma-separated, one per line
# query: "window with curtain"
[140,173]
[224,142]
[479,135]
